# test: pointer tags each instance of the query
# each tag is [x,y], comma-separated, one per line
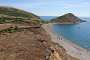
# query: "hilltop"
[67,18]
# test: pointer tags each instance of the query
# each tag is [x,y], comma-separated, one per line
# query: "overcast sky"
[51,7]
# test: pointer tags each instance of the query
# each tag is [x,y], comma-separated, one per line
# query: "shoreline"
[71,48]
[66,23]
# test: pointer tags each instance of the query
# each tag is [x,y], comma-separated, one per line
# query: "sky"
[51,7]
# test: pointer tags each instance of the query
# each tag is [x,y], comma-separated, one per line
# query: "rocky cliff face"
[60,54]
[67,18]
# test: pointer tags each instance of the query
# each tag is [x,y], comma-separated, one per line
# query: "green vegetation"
[9,30]
[16,12]
[39,22]
[44,22]
[10,20]
[13,15]
[35,21]
[19,20]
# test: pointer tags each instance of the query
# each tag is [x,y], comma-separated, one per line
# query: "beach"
[71,48]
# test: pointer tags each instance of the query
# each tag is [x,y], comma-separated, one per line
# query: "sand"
[72,49]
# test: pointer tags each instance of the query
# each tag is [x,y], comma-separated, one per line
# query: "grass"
[10,20]
[9,30]
[10,11]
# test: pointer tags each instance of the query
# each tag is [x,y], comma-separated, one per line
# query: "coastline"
[66,23]
[71,48]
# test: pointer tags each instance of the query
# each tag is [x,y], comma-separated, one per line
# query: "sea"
[77,33]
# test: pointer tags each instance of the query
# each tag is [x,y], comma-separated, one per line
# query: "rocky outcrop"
[59,53]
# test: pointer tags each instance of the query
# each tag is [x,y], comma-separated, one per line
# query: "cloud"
[77,5]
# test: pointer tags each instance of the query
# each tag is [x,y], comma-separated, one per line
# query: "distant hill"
[67,18]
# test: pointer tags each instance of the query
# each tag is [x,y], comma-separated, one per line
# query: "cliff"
[67,18]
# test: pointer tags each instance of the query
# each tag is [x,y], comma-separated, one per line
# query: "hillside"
[67,18]
[16,12]
[14,15]
[22,39]
[30,44]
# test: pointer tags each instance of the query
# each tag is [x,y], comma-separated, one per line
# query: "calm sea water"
[77,33]
[47,18]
